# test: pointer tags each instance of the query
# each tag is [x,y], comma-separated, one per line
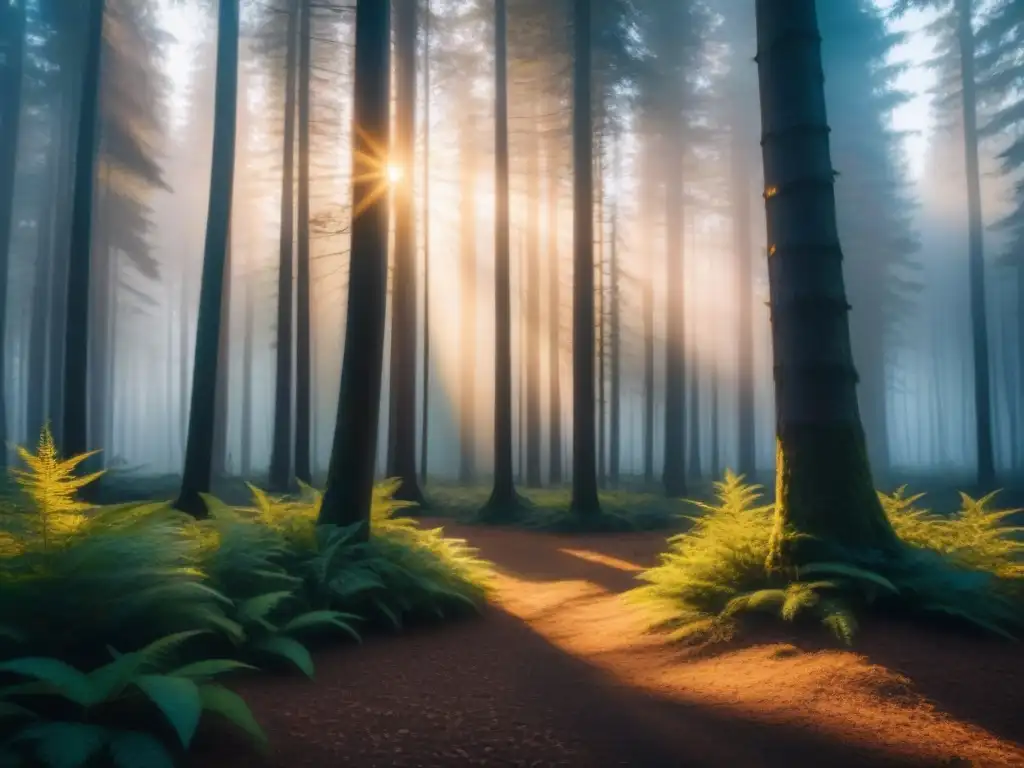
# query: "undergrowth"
[548,509]
[129,613]
[968,567]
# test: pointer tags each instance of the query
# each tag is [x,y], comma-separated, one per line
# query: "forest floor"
[560,672]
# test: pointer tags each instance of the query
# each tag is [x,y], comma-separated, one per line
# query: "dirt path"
[560,673]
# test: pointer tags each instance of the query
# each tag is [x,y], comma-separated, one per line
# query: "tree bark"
[554,323]
[649,183]
[425,421]
[74,435]
[614,333]
[467,299]
[402,424]
[824,486]
[247,373]
[503,497]
[281,447]
[584,450]
[674,468]
[220,408]
[11,76]
[532,340]
[739,159]
[976,251]
[199,447]
[349,493]
[303,301]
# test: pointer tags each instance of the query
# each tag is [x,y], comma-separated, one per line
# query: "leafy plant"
[966,567]
[66,718]
[232,592]
[51,484]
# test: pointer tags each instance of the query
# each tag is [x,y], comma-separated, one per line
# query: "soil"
[559,672]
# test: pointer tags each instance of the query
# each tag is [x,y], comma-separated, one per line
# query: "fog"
[901,198]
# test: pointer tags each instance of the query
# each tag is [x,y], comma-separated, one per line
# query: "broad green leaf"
[231,706]
[65,679]
[65,745]
[288,649]
[9,709]
[850,571]
[260,607]
[312,619]
[209,668]
[178,699]
[131,749]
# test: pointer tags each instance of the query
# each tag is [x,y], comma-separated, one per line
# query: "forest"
[572,383]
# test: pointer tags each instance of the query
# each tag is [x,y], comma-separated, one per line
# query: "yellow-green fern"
[51,483]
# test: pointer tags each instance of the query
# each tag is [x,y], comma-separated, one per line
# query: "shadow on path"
[528,684]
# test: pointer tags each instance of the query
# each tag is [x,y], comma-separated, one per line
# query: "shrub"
[967,567]
[187,600]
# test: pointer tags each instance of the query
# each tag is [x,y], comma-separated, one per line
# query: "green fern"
[968,567]
[51,484]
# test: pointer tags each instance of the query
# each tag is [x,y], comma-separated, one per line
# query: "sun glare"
[395,173]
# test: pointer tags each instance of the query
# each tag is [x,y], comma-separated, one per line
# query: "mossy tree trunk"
[401,455]
[349,493]
[584,448]
[199,445]
[824,486]
[281,445]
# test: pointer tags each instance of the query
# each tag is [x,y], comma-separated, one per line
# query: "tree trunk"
[467,299]
[532,316]
[599,298]
[693,451]
[425,422]
[824,486]
[976,256]
[74,437]
[614,332]
[13,37]
[402,427]
[674,468]
[349,492]
[715,382]
[199,446]
[647,302]
[247,374]
[281,447]
[503,496]
[303,303]
[220,408]
[184,380]
[739,158]
[554,324]
[60,256]
[584,459]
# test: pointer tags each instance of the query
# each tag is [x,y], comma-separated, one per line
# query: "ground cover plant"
[967,567]
[118,620]
[548,509]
